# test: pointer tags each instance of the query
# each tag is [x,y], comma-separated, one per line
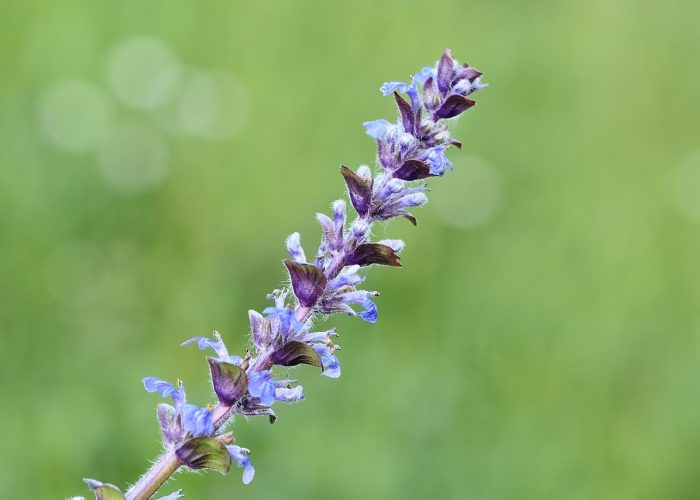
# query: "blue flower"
[405,88]
[331,365]
[437,160]
[286,320]
[412,200]
[197,421]
[289,394]
[425,73]
[377,129]
[262,385]
[240,456]
[166,389]
[217,346]
[347,277]
[391,87]
[369,313]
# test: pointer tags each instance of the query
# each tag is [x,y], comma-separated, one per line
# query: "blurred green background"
[543,337]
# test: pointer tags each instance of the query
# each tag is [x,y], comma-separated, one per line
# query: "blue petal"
[413,200]
[165,389]
[248,473]
[424,74]
[261,385]
[240,456]
[289,395]
[295,249]
[331,365]
[347,277]
[216,345]
[198,421]
[391,87]
[287,318]
[437,160]
[377,128]
[370,312]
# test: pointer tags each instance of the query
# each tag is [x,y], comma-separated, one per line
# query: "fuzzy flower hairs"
[409,151]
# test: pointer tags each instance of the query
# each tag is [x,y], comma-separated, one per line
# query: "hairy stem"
[155,477]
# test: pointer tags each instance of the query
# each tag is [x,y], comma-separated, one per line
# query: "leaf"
[406,113]
[104,491]
[204,453]
[411,219]
[413,170]
[454,105]
[294,353]
[308,282]
[374,253]
[469,73]
[360,190]
[229,381]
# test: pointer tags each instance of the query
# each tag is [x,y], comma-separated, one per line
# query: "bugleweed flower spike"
[409,151]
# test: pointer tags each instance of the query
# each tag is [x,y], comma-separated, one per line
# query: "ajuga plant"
[409,151]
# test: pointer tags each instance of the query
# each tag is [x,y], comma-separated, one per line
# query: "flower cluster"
[409,151]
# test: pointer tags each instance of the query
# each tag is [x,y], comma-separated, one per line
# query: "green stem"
[155,477]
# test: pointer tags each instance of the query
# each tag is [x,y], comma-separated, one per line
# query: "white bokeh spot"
[135,160]
[469,197]
[75,115]
[143,72]
[212,105]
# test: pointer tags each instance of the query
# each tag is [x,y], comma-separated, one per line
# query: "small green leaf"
[295,353]
[104,491]
[230,381]
[205,453]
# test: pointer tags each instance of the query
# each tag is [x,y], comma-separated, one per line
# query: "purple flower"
[240,456]
[410,150]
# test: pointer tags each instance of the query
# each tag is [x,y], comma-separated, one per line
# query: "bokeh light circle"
[143,72]
[135,159]
[212,105]
[75,115]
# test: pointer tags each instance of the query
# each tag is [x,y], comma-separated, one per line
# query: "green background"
[542,339]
